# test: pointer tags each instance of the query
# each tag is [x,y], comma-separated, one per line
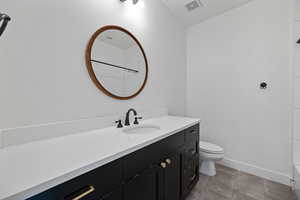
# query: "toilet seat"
[210,148]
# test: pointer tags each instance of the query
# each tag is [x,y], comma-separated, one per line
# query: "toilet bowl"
[209,154]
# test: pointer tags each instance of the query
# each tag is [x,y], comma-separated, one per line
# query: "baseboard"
[258,171]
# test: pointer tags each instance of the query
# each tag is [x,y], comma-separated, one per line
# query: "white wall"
[228,57]
[296,10]
[43,77]
[296,108]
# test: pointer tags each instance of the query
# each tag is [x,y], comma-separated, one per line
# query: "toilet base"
[208,168]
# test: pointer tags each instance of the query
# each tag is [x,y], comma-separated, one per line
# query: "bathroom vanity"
[164,170]
[108,164]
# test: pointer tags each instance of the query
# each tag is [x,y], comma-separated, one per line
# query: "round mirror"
[116,62]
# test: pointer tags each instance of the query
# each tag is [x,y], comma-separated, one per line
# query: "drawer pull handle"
[91,189]
[163,165]
[168,161]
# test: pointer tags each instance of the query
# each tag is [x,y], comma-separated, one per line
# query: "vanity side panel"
[190,160]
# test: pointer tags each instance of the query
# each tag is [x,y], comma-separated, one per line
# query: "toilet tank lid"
[210,148]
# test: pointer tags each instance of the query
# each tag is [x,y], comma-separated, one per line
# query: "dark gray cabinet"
[145,185]
[172,178]
[114,195]
[165,170]
[190,160]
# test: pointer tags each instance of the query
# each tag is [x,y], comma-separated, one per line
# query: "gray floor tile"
[226,169]
[230,184]
[239,196]
[225,176]
[251,186]
[202,184]
[195,195]
[272,198]
[223,183]
[276,191]
[219,188]
[210,195]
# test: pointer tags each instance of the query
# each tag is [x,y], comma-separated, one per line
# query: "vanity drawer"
[103,180]
[171,145]
[153,154]
[89,186]
[192,134]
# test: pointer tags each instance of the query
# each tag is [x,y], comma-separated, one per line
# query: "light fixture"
[133,1]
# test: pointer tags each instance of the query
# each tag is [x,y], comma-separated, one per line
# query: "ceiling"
[206,9]
[117,39]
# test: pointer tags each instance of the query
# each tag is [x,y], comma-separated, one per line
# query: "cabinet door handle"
[163,165]
[168,161]
[89,191]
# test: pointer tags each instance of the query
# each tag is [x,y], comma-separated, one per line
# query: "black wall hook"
[263,85]
[4,19]
[298,42]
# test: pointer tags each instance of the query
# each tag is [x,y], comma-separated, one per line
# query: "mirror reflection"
[118,63]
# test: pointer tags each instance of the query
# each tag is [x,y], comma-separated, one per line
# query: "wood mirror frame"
[88,58]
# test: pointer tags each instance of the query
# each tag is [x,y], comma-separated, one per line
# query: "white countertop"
[29,169]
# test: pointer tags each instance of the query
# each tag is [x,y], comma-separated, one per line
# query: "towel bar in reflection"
[116,66]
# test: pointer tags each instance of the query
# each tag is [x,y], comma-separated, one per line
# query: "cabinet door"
[145,186]
[115,195]
[172,178]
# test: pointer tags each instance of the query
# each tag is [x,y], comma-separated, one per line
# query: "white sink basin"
[141,129]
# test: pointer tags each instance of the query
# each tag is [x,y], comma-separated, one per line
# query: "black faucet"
[119,122]
[127,123]
[5,18]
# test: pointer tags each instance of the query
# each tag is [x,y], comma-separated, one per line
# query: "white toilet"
[209,153]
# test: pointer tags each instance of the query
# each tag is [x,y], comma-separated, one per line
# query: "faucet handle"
[136,120]
[119,122]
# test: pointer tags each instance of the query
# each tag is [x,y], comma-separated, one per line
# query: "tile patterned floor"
[230,184]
